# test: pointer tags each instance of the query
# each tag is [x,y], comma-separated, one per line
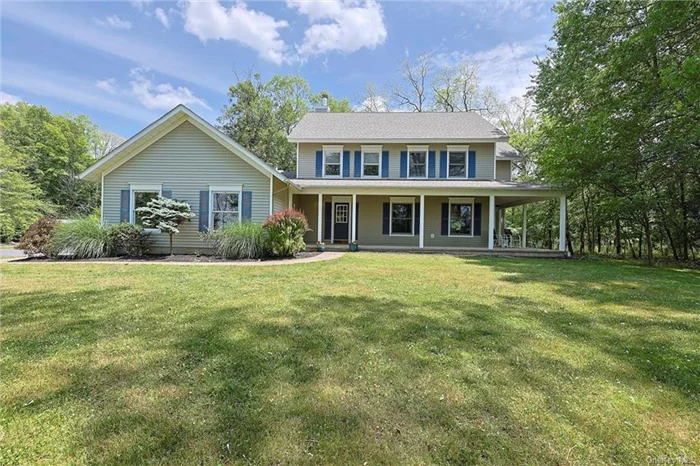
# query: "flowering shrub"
[286,232]
[36,240]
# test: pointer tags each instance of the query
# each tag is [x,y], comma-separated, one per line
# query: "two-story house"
[439,181]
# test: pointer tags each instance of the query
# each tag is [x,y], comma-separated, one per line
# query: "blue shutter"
[358,164]
[416,221]
[328,220]
[443,164]
[477,220]
[124,207]
[319,164]
[385,164]
[404,164]
[385,219]
[445,219]
[472,164]
[346,164]
[167,193]
[247,206]
[203,211]
[431,164]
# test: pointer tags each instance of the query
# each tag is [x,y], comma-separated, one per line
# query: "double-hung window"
[371,161]
[332,161]
[457,161]
[402,214]
[141,195]
[417,161]
[461,216]
[225,205]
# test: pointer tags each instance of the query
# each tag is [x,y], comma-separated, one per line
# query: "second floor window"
[332,163]
[458,165]
[371,161]
[417,163]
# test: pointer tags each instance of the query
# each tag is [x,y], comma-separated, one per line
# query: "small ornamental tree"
[166,215]
[286,230]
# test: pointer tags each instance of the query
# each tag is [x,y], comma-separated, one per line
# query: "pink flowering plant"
[286,230]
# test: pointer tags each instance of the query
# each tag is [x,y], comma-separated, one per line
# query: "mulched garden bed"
[175,258]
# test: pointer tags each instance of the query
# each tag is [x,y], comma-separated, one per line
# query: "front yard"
[369,359]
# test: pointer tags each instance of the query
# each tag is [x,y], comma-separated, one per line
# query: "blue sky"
[124,63]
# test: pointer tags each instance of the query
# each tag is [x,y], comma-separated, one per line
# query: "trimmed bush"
[129,239]
[286,230]
[244,240]
[85,238]
[36,240]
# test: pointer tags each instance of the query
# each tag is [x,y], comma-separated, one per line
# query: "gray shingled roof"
[417,184]
[394,126]
[506,151]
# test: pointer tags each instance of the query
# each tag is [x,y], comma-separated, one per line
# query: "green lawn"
[369,359]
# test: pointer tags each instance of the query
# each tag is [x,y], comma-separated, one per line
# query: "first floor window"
[460,219]
[225,209]
[332,163]
[458,165]
[141,199]
[417,164]
[402,218]
[371,164]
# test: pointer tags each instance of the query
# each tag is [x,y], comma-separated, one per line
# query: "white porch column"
[353,224]
[319,228]
[562,223]
[421,233]
[492,219]
[524,226]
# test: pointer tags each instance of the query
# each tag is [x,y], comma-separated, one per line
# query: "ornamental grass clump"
[240,240]
[286,231]
[84,238]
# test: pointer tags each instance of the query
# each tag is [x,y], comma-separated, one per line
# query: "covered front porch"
[443,217]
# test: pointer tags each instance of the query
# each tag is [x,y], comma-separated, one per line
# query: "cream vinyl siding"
[503,170]
[485,153]
[307,204]
[186,161]
[280,195]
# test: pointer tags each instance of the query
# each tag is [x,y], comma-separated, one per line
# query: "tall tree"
[261,114]
[412,90]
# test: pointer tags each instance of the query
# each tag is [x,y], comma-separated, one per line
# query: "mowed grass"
[369,359]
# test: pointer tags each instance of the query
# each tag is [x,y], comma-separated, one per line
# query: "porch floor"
[504,252]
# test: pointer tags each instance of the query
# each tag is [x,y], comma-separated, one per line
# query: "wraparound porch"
[442,218]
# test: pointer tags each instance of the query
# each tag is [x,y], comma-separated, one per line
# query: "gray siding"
[186,161]
[280,195]
[484,158]
[503,170]
[370,215]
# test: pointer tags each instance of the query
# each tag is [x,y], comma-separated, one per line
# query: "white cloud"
[506,68]
[107,85]
[373,104]
[140,4]
[115,22]
[162,59]
[6,98]
[254,29]
[162,96]
[54,85]
[162,16]
[348,26]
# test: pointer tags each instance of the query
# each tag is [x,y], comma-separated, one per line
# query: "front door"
[341,221]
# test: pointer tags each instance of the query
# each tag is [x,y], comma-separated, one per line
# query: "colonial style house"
[431,181]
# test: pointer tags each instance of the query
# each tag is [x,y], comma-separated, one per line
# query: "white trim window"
[371,161]
[402,213]
[225,206]
[417,161]
[461,220]
[457,161]
[140,196]
[332,161]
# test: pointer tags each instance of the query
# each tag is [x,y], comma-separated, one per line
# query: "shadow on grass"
[341,379]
